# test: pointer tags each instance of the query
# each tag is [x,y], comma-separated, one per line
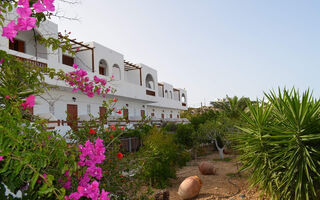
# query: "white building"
[137,87]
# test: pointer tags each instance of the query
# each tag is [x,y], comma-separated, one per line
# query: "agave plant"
[280,145]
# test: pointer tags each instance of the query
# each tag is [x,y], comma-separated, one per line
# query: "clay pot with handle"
[190,187]
[207,168]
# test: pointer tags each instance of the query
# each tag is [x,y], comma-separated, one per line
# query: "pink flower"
[49,5]
[1,158]
[90,94]
[24,3]
[104,195]
[29,103]
[1,60]
[7,97]
[39,7]
[9,31]
[75,66]
[45,176]
[24,11]
[26,23]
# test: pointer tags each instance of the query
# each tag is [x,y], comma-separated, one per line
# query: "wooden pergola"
[79,46]
[130,66]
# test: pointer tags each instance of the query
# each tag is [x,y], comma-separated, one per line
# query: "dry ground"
[215,186]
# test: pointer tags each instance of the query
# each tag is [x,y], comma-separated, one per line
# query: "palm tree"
[232,107]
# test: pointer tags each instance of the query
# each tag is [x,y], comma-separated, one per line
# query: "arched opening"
[166,94]
[116,72]
[183,98]
[149,82]
[103,67]
[170,94]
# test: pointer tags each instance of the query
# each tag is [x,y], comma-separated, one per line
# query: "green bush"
[183,135]
[171,127]
[280,145]
[161,156]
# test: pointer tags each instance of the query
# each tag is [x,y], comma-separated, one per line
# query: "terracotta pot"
[206,168]
[190,187]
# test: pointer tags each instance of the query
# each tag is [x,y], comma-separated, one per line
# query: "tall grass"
[281,145]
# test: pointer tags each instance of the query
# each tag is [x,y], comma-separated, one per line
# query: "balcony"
[31,62]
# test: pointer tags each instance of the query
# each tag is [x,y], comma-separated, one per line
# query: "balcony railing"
[151,93]
[31,62]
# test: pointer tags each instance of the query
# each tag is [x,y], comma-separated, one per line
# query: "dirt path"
[215,186]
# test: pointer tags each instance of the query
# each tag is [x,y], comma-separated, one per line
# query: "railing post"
[130,146]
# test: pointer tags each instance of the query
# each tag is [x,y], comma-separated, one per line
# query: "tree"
[232,107]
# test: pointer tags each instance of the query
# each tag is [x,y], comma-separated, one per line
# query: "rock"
[207,168]
[190,187]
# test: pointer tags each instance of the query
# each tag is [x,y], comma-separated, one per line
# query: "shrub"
[183,135]
[280,145]
[171,127]
[161,156]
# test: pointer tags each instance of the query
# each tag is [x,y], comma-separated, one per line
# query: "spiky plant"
[281,145]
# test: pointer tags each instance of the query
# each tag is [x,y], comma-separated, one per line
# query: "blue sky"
[210,47]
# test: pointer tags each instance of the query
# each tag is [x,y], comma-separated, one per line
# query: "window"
[17,45]
[116,72]
[170,94]
[166,94]
[183,98]
[103,67]
[67,60]
[150,82]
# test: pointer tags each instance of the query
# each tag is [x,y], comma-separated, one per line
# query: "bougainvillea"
[91,155]
[29,103]
[25,21]
[79,80]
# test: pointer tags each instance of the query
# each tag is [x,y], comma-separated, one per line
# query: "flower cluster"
[29,103]
[66,184]
[25,22]
[91,155]
[79,80]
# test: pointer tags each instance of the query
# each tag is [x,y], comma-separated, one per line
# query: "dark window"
[17,45]
[143,113]
[67,60]
[152,114]
[102,70]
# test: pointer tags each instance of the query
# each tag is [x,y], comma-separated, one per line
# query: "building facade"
[138,89]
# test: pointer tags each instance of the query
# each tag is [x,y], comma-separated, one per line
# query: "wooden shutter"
[171,116]
[126,114]
[11,45]
[17,45]
[67,60]
[102,111]
[143,113]
[162,116]
[20,46]
[72,114]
